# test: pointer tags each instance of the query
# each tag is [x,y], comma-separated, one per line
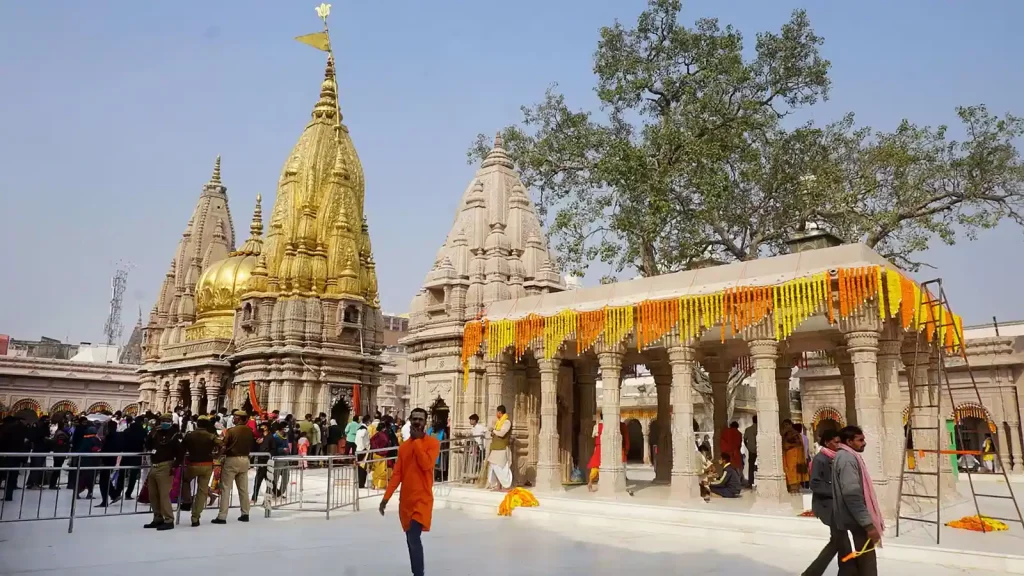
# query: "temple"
[496,250]
[290,321]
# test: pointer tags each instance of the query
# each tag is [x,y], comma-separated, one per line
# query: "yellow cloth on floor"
[515,498]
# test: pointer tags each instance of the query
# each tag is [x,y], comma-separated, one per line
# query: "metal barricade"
[119,478]
[311,484]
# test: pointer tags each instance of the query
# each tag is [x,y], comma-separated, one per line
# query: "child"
[303,447]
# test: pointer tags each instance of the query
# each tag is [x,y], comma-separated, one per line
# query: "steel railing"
[319,484]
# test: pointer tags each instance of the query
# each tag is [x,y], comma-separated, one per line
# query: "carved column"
[662,373]
[495,377]
[174,397]
[548,472]
[684,468]
[161,397]
[863,349]
[770,479]
[783,372]
[645,427]
[586,381]
[718,373]
[613,473]
[892,412]
[213,392]
[842,356]
[1009,445]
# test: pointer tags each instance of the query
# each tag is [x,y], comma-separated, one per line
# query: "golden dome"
[221,286]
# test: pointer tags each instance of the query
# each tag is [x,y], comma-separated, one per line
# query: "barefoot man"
[414,470]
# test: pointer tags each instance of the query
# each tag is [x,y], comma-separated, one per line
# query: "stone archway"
[341,411]
[27,409]
[99,407]
[635,430]
[64,409]
[826,418]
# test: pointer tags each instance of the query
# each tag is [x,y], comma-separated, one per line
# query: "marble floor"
[363,543]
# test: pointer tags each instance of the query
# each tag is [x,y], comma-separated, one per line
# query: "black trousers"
[58,461]
[752,465]
[863,565]
[412,539]
[827,554]
[261,475]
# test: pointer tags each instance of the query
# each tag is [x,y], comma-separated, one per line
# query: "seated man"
[729,484]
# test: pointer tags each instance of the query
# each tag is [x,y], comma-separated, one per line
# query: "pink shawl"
[869,491]
[831,456]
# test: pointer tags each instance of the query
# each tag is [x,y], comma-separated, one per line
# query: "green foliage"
[690,160]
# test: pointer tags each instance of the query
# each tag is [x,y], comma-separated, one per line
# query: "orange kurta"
[414,470]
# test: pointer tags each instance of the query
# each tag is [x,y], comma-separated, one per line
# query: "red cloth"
[595,458]
[732,439]
[414,470]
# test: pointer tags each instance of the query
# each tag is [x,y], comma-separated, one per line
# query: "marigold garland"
[734,310]
[979,524]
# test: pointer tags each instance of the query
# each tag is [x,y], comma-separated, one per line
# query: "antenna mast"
[113,328]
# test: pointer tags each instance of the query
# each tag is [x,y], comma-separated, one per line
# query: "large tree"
[691,156]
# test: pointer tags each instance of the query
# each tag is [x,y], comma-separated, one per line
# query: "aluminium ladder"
[929,393]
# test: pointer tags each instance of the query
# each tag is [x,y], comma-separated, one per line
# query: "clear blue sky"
[111,114]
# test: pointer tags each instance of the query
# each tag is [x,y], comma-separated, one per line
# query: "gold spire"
[327,106]
[254,245]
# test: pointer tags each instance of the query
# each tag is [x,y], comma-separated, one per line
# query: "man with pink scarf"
[855,507]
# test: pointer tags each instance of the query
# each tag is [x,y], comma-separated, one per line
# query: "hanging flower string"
[735,310]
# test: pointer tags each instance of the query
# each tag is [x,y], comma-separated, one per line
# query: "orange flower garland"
[734,310]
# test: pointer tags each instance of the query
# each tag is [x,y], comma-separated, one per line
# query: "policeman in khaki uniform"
[238,444]
[165,442]
[200,447]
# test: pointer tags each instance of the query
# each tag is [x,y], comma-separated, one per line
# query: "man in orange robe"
[414,471]
[732,439]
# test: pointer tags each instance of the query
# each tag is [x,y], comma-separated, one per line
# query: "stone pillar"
[923,419]
[645,426]
[213,393]
[842,356]
[587,388]
[783,372]
[613,473]
[495,376]
[548,472]
[718,373]
[770,479]
[1009,442]
[284,402]
[174,397]
[892,438]
[685,485]
[161,397]
[863,350]
[663,462]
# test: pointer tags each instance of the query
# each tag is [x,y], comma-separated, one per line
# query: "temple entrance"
[970,433]
[823,425]
[635,430]
[340,412]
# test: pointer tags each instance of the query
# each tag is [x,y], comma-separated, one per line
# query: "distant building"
[393,395]
[42,348]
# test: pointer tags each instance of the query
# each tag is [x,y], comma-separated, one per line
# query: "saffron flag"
[253,399]
[319,40]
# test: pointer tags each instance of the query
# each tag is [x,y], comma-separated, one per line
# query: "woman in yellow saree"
[794,461]
[379,464]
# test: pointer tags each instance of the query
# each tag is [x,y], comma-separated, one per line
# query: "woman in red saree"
[595,459]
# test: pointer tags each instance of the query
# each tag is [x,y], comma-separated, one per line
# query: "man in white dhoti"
[499,476]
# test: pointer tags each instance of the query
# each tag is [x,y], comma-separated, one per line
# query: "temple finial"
[215,178]
[497,156]
[256,227]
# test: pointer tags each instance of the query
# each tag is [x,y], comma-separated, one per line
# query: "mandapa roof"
[761,272]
